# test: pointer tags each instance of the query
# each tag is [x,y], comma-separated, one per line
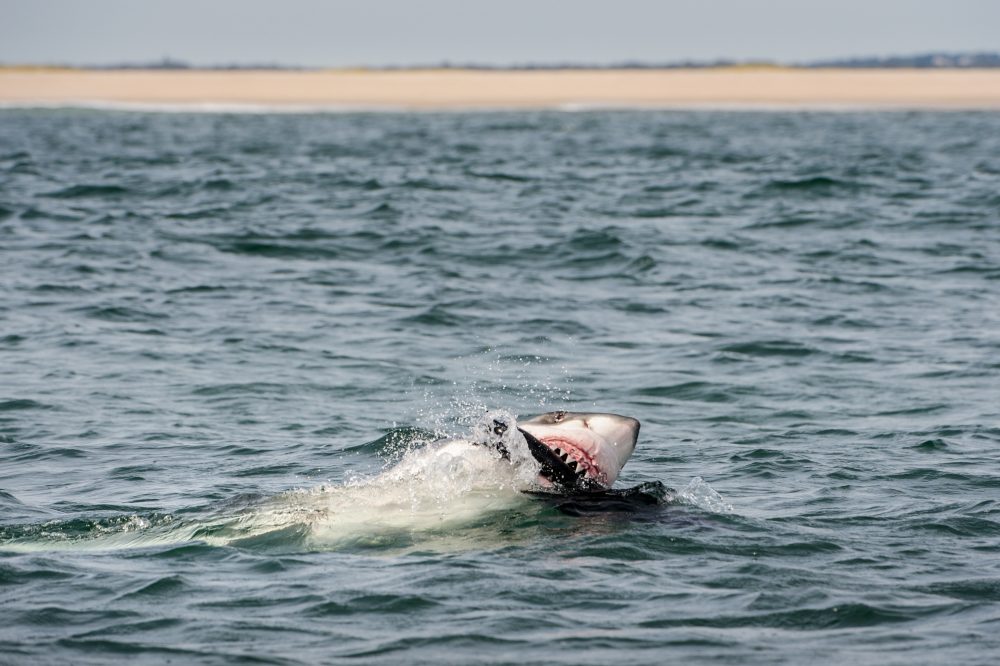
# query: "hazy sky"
[383,32]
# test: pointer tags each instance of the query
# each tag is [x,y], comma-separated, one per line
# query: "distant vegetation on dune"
[923,61]
[919,61]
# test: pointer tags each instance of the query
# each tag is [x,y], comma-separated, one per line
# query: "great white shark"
[575,451]
[571,458]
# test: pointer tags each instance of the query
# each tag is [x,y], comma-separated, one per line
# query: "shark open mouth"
[564,463]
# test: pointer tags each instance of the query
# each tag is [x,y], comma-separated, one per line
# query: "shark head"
[580,450]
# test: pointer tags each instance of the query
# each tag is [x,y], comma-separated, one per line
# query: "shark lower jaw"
[578,460]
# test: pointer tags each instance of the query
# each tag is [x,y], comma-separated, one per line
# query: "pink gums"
[582,458]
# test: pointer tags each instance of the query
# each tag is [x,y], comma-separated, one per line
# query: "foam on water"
[433,488]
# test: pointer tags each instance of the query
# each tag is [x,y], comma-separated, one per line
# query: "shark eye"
[559,416]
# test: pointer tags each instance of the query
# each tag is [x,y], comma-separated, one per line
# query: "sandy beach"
[456,89]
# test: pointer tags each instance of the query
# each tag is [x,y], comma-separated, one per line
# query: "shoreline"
[459,90]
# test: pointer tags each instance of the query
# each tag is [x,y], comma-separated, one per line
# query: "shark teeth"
[577,466]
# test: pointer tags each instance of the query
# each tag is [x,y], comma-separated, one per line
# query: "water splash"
[531,383]
[698,493]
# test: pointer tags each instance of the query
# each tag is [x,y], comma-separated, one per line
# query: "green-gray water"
[215,329]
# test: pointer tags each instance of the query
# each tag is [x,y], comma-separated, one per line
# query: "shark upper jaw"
[580,451]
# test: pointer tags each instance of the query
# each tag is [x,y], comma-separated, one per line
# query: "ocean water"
[226,341]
